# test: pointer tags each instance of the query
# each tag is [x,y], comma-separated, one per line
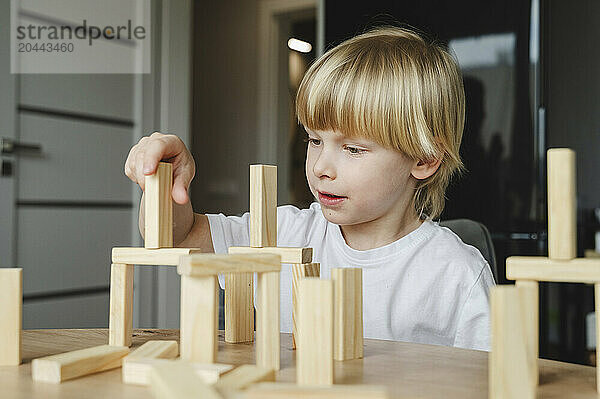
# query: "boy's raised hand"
[144,157]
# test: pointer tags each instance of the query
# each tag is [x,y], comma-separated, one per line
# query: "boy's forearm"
[187,227]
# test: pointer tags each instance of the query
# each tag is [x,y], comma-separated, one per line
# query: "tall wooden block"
[314,357]
[159,208]
[121,305]
[239,307]
[597,305]
[178,380]
[511,366]
[263,206]
[267,320]
[69,365]
[300,271]
[199,319]
[11,313]
[532,323]
[562,205]
[348,321]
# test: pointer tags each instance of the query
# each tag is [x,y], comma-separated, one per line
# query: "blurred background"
[224,77]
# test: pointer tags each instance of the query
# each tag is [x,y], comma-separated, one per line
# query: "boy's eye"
[310,140]
[354,150]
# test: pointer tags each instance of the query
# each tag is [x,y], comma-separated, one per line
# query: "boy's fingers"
[139,173]
[181,182]
[161,147]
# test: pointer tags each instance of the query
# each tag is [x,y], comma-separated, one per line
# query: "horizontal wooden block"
[11,315]
[137,370]
[199,265]
[178,380]
[539,268]
[69,365]
[148,351]
[143,256]
[242,377]
[288,254]
[268,390]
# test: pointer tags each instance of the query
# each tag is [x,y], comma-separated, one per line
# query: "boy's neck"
[380,232]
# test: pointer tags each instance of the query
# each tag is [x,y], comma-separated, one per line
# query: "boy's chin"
[337,217]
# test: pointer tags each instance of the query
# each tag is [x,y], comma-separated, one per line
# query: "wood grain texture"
[153,257]
[288,254]
[267,320]
[406,369]
[69,365]
[511,366]
[348,313]
[121,304]
[242,377]
[530,296]
[133,372]
[263,206]
[314,352]
[11,315]
[268,390]
[136,371]
[199,319]
[300,271]
[158,208]
[239,307]
[562,204]
[597,308]
[178,380]
[199,265]
[539,268]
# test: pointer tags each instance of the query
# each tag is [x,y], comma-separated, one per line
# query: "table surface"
[408,370]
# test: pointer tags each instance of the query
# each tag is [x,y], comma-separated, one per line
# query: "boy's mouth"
[330,199]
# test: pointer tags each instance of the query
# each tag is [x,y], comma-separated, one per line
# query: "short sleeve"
[229,231]
[473,331]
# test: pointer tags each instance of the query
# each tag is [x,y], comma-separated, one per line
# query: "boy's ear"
[424,169]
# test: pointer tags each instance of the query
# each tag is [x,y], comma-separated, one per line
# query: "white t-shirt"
[427,287]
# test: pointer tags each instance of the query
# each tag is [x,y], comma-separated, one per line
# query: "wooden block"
[143,256]
[539,268]
[590,253]
[199,265]
[239,307]
[120,326]
[597,307]
[178,380]
[532,323]
[511,367]
[69,365]
[267,320]
[263,206]
[159,208]
[11,314]
[314,354]
[137,370]
[278,390]
[300,271]
[199,319]
[562,204]
[242,377]
[288,254]
[348,321]
[148,351]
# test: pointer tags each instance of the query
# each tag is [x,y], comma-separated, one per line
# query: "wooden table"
[408,370]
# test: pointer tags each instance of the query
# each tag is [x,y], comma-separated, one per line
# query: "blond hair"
[392,86]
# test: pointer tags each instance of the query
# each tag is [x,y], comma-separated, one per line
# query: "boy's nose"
[324,166]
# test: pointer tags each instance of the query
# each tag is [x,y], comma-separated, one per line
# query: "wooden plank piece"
[69,365]
[144,256]
[239,307]
[198,265]
[178,380]
[511,366]
[267,320]
[597,308]
[314,357]
[288,254]
[530,295]
[199,319]
[11,316]
[281,390]
[263,206]
[136,371]
[242,377]
[562,204]
[539,268]
[159,208]
[300,271]
[348,321]
[149,350]
[120,324]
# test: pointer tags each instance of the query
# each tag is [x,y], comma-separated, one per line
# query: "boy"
[384,114]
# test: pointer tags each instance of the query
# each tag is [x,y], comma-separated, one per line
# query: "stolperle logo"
[83,31]
[80,36]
